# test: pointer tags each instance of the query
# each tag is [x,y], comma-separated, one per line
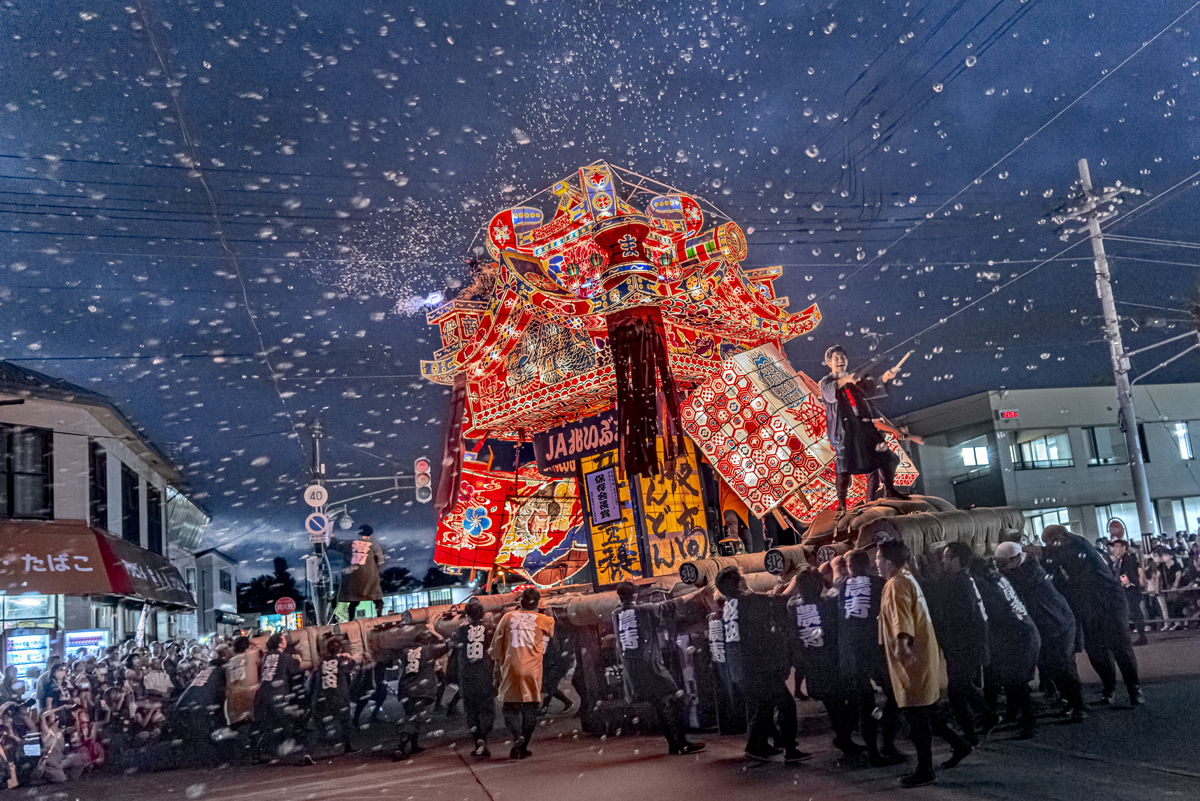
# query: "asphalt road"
[1118,753]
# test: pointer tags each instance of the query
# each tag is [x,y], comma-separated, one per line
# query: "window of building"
[154,519]
[226,581]
[26,480]
[1182,441]
[1106,445]
[1186,512]
[190,577]
[103,616]
[1125,512]
[131,616]
[131,505]
[1038,519]
[975,456]
[1041,449]
[97,484]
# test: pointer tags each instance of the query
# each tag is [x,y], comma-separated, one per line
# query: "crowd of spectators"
[184,703]
[1162,582]
[877,636]
[80,713]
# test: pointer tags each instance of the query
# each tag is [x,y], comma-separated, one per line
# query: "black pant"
[886,475]
[923,723]
[1019,700]
[378,676]
[1057,660]
[417,713]
[1133,599]
[272,727]
[521,720]
[764,698]
[1106,641]
[888,725]
[672,720]
[481,714]
[333,722]
[843,714]
[965,696]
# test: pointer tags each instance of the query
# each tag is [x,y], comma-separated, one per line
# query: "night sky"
[231,217]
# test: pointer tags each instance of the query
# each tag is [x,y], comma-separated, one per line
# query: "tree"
[398,580]
[261,593]
[436,577]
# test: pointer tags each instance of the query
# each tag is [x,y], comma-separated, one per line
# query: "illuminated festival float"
[608,331]
[620,335]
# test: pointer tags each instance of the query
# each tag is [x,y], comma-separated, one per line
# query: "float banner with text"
[572,441]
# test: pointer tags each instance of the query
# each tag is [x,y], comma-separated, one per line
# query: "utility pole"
[1090,211]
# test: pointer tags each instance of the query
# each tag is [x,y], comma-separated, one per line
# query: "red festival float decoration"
[631,289]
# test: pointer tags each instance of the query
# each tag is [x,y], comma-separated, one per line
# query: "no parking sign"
[317,525]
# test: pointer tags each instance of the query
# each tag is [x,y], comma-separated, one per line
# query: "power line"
[1024,142]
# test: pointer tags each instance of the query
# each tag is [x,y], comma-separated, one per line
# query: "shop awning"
[68,557]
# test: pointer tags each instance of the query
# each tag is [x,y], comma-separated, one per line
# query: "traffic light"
[423,480]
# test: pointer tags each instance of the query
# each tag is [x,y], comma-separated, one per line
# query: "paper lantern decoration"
[529,524]
[469,533]
[545,539]
[610,246]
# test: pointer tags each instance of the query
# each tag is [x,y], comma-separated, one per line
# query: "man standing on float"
[850,425]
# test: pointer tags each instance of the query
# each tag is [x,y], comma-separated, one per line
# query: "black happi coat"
[418,670]
[960,622]
[816,645]
[1046,605]
[1013,638]
[758,638]
[476,677]
[276,673]
[860,656]
[1089,582]
[637,627]
[848,415]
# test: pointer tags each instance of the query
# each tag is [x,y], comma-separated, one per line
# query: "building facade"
[95,534]
[1059,456]
[216,593]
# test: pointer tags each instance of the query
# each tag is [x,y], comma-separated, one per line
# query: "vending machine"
[27,647]
[92,642]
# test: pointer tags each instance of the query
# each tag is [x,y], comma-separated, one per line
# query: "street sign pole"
[321,594]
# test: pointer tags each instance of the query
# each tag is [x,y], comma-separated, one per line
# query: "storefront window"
[18,609]
[104,616]
[1106,445]
[1191,513]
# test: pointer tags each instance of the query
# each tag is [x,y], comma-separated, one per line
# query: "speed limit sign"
[316,496]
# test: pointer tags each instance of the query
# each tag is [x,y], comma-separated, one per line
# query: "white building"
[216,593]
[1058,455]
[93,526]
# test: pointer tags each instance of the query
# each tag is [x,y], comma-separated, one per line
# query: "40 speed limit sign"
[316,496]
